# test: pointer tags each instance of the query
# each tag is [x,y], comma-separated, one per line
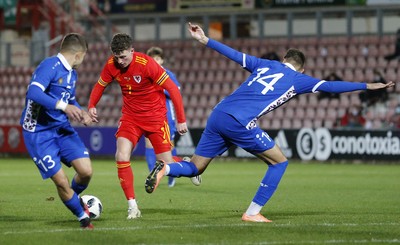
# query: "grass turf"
[316,203]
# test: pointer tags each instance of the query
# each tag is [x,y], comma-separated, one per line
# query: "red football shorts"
[157,133]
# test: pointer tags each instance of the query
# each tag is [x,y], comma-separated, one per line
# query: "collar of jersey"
[64,61]
[290,66]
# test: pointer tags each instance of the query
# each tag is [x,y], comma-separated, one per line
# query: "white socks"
[166,170]
[253,209]
[132,203]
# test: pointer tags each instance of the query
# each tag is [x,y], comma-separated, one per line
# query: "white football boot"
[134,212]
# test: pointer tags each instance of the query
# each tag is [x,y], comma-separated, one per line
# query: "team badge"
[137,78]
[60,81]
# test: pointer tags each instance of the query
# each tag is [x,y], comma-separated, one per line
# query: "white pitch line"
[193,226]
[330,242]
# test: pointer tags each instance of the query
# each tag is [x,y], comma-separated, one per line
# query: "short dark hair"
[74,42]
[120,42]
[155,51]
[295,57]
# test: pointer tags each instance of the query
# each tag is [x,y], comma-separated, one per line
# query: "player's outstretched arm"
[374,86]
[198,33]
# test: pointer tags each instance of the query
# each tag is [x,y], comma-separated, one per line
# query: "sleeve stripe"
[140,60]
[244,60]
[314,89]
[39,85]
[162,78]
[102,83]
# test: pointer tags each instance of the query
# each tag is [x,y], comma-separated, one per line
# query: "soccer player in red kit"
[142,81]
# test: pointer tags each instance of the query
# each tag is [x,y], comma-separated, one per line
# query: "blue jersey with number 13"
[56,79]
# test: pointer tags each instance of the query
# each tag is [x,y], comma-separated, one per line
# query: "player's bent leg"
[149,154]
[172,180]
[126,176]
[189,168]
[84,172]
[167,157]
[155,176]
[268,184]
[196,180]
[273,175]
[71,199]
[150,157]
[200,162]
[83,167]
[64,191]
[273,155]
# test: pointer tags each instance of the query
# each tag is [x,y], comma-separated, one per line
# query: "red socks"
[126,178]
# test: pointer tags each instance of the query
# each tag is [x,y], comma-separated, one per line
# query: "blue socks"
[150,158]
[78,188]
[74,205]
[269,183]
[173,152]
[182,168]
[177,169]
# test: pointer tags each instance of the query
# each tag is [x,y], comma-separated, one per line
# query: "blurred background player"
[370,98]
[158,55]
[396,53]
[270,56]
[234,119]
[48,136]
[142,81]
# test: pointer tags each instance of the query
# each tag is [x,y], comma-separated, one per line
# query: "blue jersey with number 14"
[269,85]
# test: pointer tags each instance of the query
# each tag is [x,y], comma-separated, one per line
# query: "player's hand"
[74,113]
[197,33]
[374,86]
[87,119]
[182,128]
[93,114]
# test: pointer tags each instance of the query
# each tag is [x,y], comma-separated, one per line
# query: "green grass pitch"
[316,203]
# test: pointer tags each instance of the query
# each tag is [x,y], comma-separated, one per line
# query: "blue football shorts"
[223,130]
[49,148]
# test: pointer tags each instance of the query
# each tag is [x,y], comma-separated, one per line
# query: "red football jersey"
[143,97]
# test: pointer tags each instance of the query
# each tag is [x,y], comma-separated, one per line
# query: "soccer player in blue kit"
[158,55]
[233,120]
[49,137]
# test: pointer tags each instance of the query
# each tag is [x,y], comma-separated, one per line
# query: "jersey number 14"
[267,81]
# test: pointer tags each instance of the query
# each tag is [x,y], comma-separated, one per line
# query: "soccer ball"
[94,205]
